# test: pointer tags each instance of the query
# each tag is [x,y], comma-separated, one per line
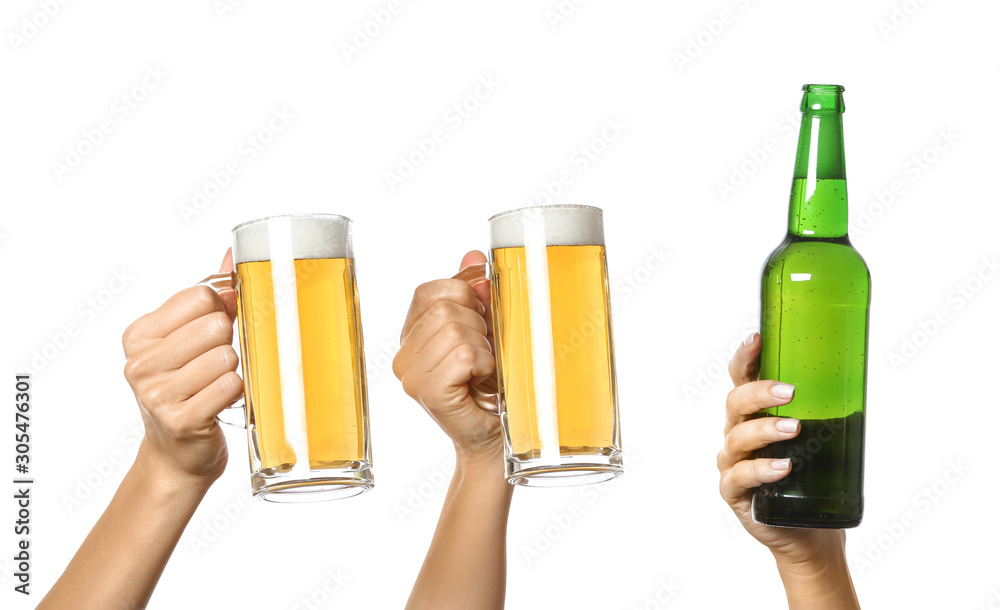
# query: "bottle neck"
[818,205]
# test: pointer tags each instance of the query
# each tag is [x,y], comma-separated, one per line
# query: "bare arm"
[823,582]
[120,562]
[466,565]
[446,348]
[181,366]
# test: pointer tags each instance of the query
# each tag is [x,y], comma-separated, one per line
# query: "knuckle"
[155,398]
[729,445]
[397,367]
[762,391]
[220,327]
[763,427]
[231,382]
[452,288]
[759,469]
[175,420]
[130,335]
[465,354]
[410,385]
[229,358]
[440,311]
[732,401]
[452,332]
[204,298]
[135,369]
[424,292]
[723,477]
[129,371]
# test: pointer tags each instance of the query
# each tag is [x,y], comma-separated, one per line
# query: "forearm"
[121,560]
[824,584]
[465,567]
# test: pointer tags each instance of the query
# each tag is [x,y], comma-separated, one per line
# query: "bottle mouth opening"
[823,88]
[822,99]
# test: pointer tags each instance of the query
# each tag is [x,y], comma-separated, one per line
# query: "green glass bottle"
[814,299]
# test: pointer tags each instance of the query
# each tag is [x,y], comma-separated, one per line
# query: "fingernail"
[480,307]
[782,390]
[787,424]
[781,464]
[749,340]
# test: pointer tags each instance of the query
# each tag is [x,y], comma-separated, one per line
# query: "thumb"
[745,365]
[473,257]
[228,296]
[482,289]
[227,262]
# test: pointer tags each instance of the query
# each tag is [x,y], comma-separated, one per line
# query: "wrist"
[481,470]
[825,552]
[820,579]
[477,456]
[161,475]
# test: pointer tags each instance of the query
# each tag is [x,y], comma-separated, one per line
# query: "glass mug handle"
[234,415]
[475,275]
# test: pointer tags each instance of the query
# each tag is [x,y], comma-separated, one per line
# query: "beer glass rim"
[559,206]
[304,215]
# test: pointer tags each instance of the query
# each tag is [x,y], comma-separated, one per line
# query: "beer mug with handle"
[303,361]
[554,349]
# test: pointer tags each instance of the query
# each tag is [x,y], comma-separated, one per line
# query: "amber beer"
[302,357]
[555,352]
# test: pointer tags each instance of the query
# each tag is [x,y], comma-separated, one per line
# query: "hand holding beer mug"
[303,357]
[557,398]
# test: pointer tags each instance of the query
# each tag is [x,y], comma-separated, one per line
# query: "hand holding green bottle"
[812,562]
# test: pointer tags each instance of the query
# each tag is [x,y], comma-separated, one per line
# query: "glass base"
[315,486]
[811,513]
[564,471]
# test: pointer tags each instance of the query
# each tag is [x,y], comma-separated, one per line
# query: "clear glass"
[303,358]
[558,398]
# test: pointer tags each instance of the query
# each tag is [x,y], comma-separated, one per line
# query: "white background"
[688,126]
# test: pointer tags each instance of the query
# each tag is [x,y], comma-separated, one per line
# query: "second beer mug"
[554,349]
[302,357]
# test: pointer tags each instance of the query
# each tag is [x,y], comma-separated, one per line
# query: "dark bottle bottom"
[824,489]
[823,513]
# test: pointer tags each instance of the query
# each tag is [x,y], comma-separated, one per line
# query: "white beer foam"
[311,237]
[564,226]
